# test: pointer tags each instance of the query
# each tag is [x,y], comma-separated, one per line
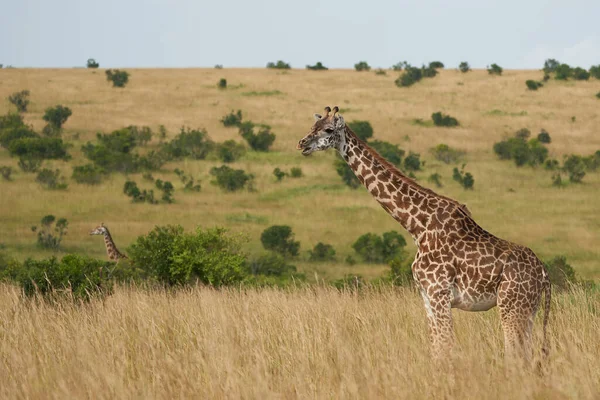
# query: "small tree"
[436,64]
[278,65]
[410,76]
[230,151]
[20,100]
[362,129]
[57,116]
[391,152]
[494,69]
[260,141]
[279,238]
[446,154]
[465,179]
[533,85]
[322,252]
[345,172]
[91,63]
[51,180]
[117,77]
[49,237]
[595,71]
[464,67]
[222,83]
[563,72]
[435,179]
[232,119]
[279,174]
[167,189]
[580,74]
[550,65]
[88,174]
[362,66]
[440,119]
[412,162]
[317,67]
[230,179]
[296,172]
[575,167]
[544,136]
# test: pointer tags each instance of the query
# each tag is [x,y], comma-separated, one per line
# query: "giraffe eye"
[329,130]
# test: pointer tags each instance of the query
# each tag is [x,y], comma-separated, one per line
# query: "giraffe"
[458,264]
[111,249]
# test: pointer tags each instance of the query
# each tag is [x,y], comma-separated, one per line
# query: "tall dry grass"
[302,343]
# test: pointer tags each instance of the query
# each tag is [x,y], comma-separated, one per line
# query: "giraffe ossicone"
[458,264]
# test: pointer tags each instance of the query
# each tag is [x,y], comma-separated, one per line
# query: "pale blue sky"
[238,33]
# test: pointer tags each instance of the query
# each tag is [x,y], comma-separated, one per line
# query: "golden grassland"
[309,342]
[518,204]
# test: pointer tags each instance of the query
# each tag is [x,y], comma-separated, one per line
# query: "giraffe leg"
[439,316]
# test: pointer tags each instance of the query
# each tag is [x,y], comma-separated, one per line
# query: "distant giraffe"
[111,249]
[458,264]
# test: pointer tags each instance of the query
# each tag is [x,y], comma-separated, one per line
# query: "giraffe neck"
[406,201]
[111,249]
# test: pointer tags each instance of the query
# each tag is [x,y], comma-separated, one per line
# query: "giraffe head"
[99,230]
[326,132]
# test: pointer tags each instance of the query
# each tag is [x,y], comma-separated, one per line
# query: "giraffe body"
[111,249]
[458,264]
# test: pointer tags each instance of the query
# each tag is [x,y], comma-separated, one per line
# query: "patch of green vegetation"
[300,191]
[267,93]
[499,113]
[247,218]
[421,122]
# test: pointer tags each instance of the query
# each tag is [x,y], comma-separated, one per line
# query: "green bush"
[8,135]
[598,94]
[189,143]
[592,162]
[271,264]
[533,85]
[280,239]
[575,167]
[412,162]
[230,151]
[380,71]
[29,164]
[230,179]
[440,119]
[544,136]
[494,69]
[20,100]
[222,83]
[537,152]
[428,72]
[6,172]
[11,120]
[376,249]
[173,257]
[464,67]
[188,181]
[551,164]
[345,172]
[322,252]
[131,189]
[580,74]
[520,150]
[260,141]
[362,129]
[362,66]
[117,77]
[232,119]
[142,135]
[410,76]
[296,172]
[560,272]
[551,65]
[88,174]
[317,67]
[91,63]
[278,65]
[465,179]
[51,180]
[279,174]
[436,64]
[399,66]
[595,71]
[435,179]
[40,148]
[446,154]
[167,189]
[50,234]
[401,271]
[563,72]
[391,152]
[57,116]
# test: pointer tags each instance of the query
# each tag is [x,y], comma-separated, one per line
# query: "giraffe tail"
[547,299]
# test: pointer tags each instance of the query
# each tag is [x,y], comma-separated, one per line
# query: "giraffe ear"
[318,117]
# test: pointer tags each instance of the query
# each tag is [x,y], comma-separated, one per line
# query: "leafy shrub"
[232,119]
[345,172]
[222,83]
[464,67]
[376,249]
[428,72]
[435,179]
[278,65]
[49,236]
[412,162]
[188,181]
[167,189]
[551,164]
[575,167]
[6,172]
[465,179]
[280,239]
[544,136]
[173,257]
[230,151]
[117,77]
[391,152]
[137,196]
[270,264]
[10,134]
[322,252]
[57,116]
[28,164]
[91,63]
[192,143]
[436,64]
[88,174]
[595,71]
[11,120]
[260,141]
[399,66]
[523,133]
[520,150]
[440,119]
[598,94]
[551,65]
[494,69]
[580,74]
[410,76]
[362,66]
[51,180]
[362,129]
[557,179]
[230,179]
[317,67]
[563,72]
[446,154]
[40,148]
[401,272]
[380,71]
[20,100]
[561,274]
[592,162]
[296,172]
[279,174]
[533,85]
[142,135]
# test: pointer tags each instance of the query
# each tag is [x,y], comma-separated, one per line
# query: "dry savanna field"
[309,341]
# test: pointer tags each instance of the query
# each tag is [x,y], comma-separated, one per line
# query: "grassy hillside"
[313,343]
[518,204]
